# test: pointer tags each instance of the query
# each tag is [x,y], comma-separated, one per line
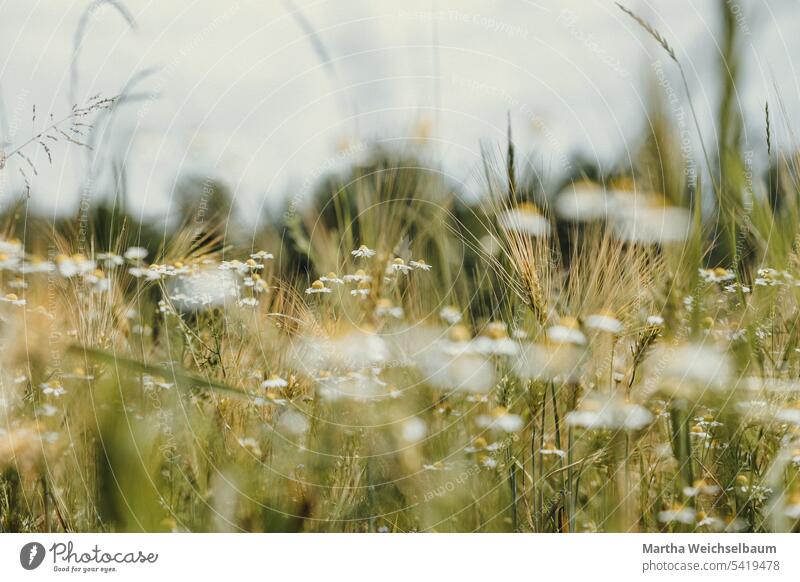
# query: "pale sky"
[238,91]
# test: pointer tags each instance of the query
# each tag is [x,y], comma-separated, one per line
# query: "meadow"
[618,351]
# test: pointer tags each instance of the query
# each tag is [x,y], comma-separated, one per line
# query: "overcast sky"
[267,95]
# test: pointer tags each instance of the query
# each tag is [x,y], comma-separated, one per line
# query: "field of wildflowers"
[618,352]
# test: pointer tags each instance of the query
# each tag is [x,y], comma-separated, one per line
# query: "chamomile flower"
[136,253]
[495,341]
[331,278]
[525,219]
[385,307]
[450,314]
[274,381]
[413,430]
[362,290]
[358,277]
[501,420]
[716,275]
[100,283]
[566,332]
[8,262]
[700,487]
[398,265]
[479,444]
[70,266]
[363,252]
[150,274]
[419,264]
[691,367]
[13,299]
[253,265]
[768,277]
[234,265]
[551,361]
[604,321]
[647,219]
[462,371]
[317,287]
[583,202]
[53,388]
[262,256]
[111,259]
[598,411]
[733,287]
[10,246]
[678,513]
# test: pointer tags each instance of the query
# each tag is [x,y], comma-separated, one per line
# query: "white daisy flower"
[331,278]
[584,202]
[598,411]
[363,252]
[692,366]
[678,513]
[10,247]
[716,275]
[501,420]
[604,321]
[53,388]
[111,259]
[136,253]
[399,266]
[700,487]
[317,287]
[414,430]
[274,381]
[362,291]
[13,299]
[252,265]
[149,274]
[358,277]
[384,308]
[420,264]
[450,314]
[525,219]
[645,219]
[74,265]
[566,332]
[262,256]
